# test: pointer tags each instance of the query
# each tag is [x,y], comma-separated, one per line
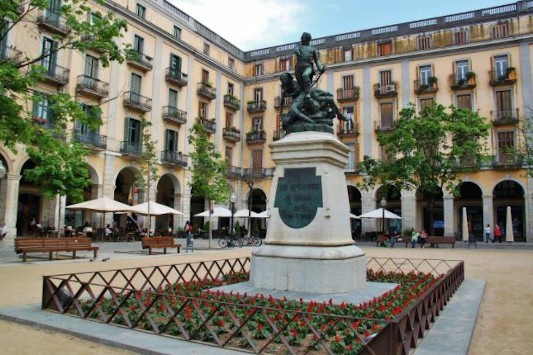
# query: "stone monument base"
[316,269]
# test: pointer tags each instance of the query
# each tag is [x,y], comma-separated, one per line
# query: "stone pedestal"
[308,246]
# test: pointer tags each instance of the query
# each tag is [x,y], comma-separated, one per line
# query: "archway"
[29,203]
[258,200]
[126,191]
[510,193]
[432,209]
[470,196]
[166,193]
[355,197]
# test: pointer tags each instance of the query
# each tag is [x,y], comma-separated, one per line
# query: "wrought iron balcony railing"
[54,22]
[346,95]
[209,125]
[206,91]
[231,134]
[385,126]
[425,86]
[234,171]
[385,90]
[176,77]
[92,139]
[174,158]
[92,86]
[140,60]
[131,148]
[462,83]
[287,101]
[256,137]
[256,106]
[174,115]
[498,78]
[56,74]
[232,102]
[136,101]
[505,117]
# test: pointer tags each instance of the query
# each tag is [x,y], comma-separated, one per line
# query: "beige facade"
[186,72]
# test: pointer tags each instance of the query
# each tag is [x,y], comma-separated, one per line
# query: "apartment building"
[184,72]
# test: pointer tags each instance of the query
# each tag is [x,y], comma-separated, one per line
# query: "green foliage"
[425,150]
[208,167]
[148,159]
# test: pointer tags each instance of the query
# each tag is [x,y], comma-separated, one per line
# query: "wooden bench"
[435,241]
[49,245]
[159,243]
[402,239]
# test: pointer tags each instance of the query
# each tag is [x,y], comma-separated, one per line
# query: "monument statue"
[312,109]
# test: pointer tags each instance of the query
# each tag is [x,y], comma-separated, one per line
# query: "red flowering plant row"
[191,311]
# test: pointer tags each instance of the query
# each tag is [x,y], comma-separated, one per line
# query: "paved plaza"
[497,274]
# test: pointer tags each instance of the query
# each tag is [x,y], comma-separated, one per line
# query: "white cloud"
[249,24]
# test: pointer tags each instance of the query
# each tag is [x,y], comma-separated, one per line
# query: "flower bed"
[189,310]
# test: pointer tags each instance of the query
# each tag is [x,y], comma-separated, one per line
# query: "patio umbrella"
[509,236]
[354,216]
[380,213]
[156,209]
[102,204]
[245,213]
[217,212]
[465,226]
[263,214]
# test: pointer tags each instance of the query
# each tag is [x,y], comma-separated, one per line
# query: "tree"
[525,148]
[208,170]
[427,152]
[85,29]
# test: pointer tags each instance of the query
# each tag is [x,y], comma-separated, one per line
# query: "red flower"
[260,327]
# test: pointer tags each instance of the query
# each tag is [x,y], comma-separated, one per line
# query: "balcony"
[277,135]
[385,126]
[466,83]
[56,75]
[498,78]
[92,86]
[134,149]
[468,162]
[505,117]
[385,90]
[426,86]
[207,91]
[93,140]
[344,130]
[10,54]
[174,158]
[140,60]
[256,137]
[348,95]
[209,125]
[287,101]
[172,114]
[53,22]
[507,161]
[256,106]
[231,134]
[232,102]
[136,101]
[176,77]
[257,173]
[233,171]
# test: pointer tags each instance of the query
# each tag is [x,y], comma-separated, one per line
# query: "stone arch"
[471,197]
[510,193]
[168,194]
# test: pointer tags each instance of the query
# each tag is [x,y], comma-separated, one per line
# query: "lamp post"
[383,204]
[232,200]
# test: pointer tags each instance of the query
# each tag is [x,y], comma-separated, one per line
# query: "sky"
[256,24]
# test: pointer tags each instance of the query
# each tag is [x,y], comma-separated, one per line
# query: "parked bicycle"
[251,240]
[230,241]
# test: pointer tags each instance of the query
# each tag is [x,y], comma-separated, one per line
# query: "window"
[203,109]
[177,32]
[229,155]
[257,124]
[464,101]
[41,111]
[347,83]
[348,56]
[205,76]
[460,36]
[229,119]
[285,64]
[278,124]
[257,160]
[171,140]
[384,49]
[505,146]
[461,68]
[141,10]
[501,63]
[231,88]
[385,77]
[132,134]
[206,49]
[86,133]
[500,30]
[504,108]
[423,42]
[426,102]
[258,94]
[91,67]
[135,83]
[351,166]
[231,63]
[138,44]
[347,126]
[175,66]
[258,69]
[425,72]
[49,61]
[386,115]
[172,98]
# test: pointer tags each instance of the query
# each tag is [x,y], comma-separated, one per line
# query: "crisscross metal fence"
[172,300]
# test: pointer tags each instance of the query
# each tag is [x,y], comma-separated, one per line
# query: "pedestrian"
[423,238]
[497,234]
[488,231]
[414,238]
[394,238]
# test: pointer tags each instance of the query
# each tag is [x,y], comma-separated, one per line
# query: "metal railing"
[56,74]
[207,91]
[232,102]
[90,138]
[177,77]
[156,299]
[174,114]
[140,60]
[131,148]
[54,22]
[92,85]
[173,157]
[135,100]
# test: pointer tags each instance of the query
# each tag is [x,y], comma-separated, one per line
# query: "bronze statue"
[305,56]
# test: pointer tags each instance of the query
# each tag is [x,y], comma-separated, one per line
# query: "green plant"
[432,80]
[470,75]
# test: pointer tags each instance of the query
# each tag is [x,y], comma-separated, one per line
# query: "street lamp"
[232,200]
[383,204]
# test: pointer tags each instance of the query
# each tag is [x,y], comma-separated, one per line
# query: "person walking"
[488,231]
[497,234]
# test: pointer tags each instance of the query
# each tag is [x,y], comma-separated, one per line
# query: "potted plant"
[432,81]
[471,77]
[511,73]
